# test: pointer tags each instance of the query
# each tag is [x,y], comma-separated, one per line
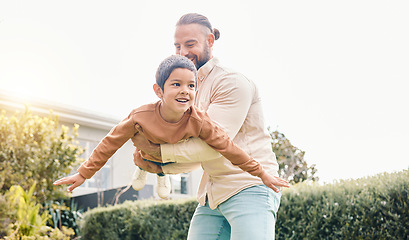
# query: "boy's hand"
[76,180]
[273,182]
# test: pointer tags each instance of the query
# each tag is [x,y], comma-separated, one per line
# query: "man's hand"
[142,143]
[145,165]
[76,180]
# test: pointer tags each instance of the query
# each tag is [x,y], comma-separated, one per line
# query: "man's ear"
[210,39]
[158,91]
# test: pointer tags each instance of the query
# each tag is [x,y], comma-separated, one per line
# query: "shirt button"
[201,78]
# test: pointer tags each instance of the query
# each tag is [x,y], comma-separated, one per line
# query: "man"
[232,204]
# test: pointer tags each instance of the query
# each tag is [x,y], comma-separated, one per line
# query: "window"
[102,179]
[179,183]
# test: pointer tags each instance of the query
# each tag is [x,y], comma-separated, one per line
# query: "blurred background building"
[115,176]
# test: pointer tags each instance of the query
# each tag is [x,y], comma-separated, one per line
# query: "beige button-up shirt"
[232,101]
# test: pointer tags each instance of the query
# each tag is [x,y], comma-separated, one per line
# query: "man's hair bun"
[216,33]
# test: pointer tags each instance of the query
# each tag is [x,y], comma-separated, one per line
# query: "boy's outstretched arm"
[76,180]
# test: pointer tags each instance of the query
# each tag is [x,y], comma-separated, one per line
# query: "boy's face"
[178,94]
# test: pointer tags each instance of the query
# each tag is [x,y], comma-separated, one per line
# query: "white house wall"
[93,127]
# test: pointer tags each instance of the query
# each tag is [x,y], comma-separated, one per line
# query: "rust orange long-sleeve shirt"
[194,123]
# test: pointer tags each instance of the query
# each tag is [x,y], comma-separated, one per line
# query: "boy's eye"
[176,84]
[191,85]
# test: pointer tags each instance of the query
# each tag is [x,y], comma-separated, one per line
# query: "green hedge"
[375,207]
[369,208]
[147,220]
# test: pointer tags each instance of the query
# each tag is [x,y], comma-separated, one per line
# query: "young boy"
[172,119]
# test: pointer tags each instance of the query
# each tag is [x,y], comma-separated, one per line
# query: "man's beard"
[200,61]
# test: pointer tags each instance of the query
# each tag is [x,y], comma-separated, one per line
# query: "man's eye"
[190,45]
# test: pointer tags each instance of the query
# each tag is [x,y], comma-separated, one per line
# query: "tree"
[291,161]
[36,149]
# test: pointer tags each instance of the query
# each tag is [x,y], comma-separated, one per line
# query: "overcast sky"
[333,75]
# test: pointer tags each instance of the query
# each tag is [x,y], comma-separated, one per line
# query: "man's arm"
[173,168]
[191,150]
[195,147]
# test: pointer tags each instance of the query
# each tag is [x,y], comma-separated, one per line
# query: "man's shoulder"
[227,73]
[229,78]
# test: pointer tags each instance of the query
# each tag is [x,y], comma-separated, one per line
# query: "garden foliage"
[63,214]
[34,152]
[4,216]
[375,207]
[26,220]
[292,165]
[148,220]
[36,149]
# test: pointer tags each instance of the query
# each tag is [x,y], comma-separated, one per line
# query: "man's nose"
[183,51]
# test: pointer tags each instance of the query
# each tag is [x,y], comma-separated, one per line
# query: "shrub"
[4,216]
[62,215]
[374,207]
[369,208]
[26,220]
[36,149]
[149,220]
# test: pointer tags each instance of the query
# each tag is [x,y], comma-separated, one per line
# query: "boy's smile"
[178,94]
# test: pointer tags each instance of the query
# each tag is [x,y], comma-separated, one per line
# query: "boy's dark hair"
[191,18]
[169,64]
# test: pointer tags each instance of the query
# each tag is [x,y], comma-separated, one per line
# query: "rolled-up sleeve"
[191,150]
[176,168]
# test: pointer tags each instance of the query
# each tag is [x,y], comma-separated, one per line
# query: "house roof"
[66,113]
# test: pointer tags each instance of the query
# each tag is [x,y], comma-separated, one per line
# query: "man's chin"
[195,63]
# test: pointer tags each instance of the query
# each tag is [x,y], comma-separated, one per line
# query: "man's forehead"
[191,31]
[189,41]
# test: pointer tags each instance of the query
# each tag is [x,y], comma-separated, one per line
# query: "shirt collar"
[205,70]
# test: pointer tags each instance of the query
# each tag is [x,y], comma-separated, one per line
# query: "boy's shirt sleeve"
[114,140]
